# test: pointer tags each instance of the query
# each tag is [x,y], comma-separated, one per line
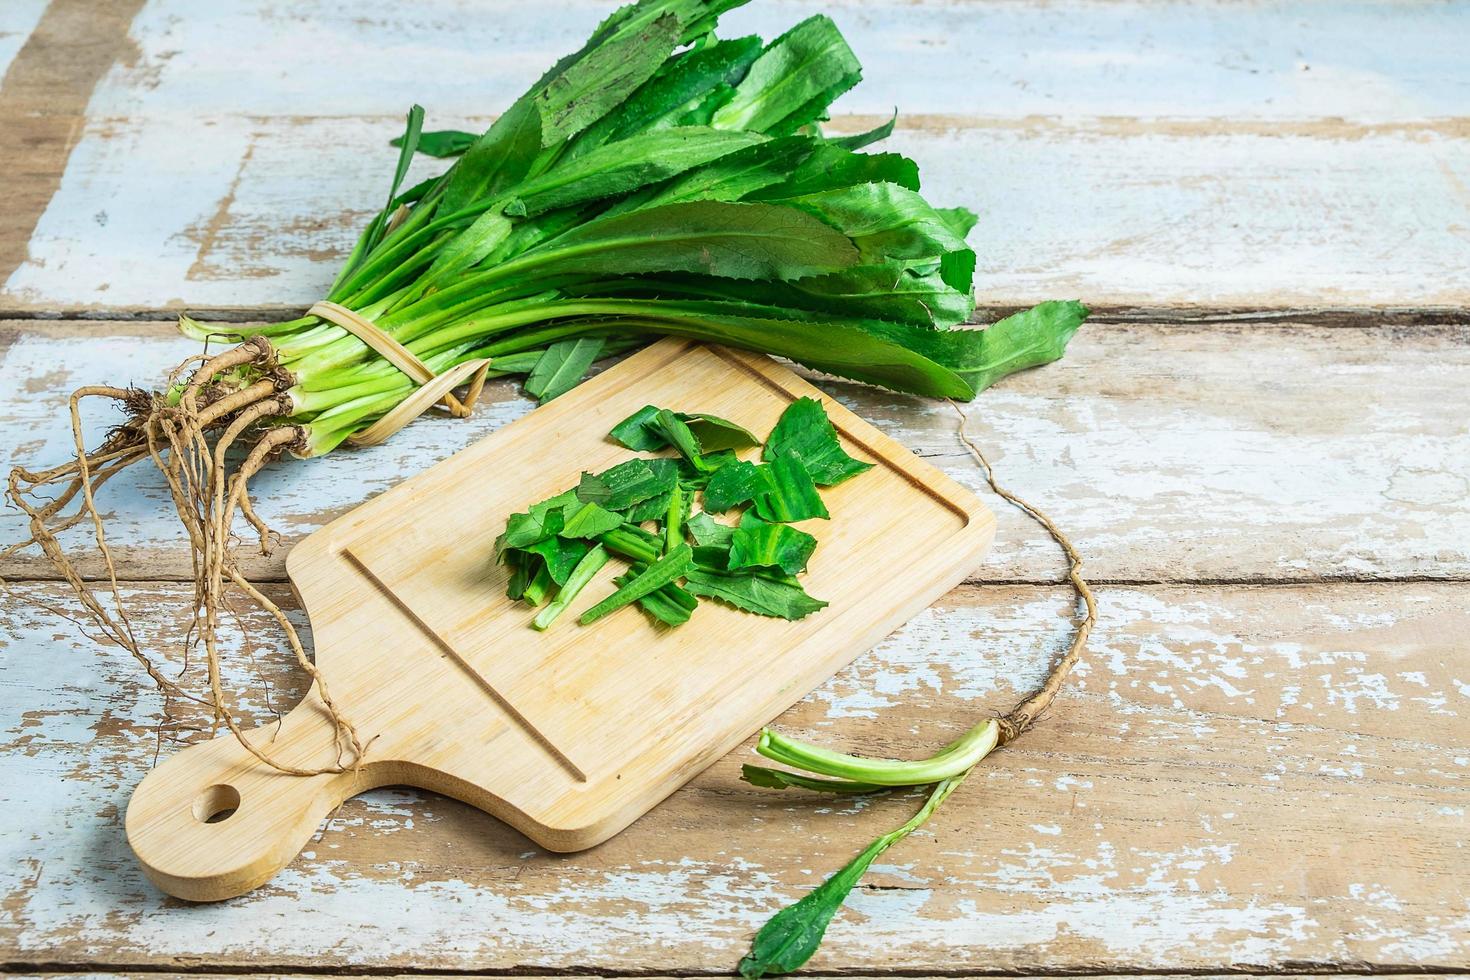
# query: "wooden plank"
[1238,778]
[1210,155]
[1114,212]
[17,19]
[1168,453]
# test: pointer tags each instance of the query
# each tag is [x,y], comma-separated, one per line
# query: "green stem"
[975,745]
[582,574]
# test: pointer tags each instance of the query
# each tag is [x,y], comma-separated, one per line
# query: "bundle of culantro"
[659,181]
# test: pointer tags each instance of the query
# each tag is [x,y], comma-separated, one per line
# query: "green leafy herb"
[626,484]
[661,573]
[562,367]
[588,521]
[589,566]
[804,432]
[791,494]
[759,592]
[735,484]
[760,544]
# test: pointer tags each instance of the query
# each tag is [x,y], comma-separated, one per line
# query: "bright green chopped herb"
[752,567]
[665,571]
[589,566]
[791,494]
[805,432]
[735,484]
[761,544]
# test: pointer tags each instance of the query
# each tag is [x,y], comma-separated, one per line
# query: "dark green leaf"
[792,935]
[635,162]
[661,573]
[625,484]
[860,140]
[442,143]
[768,595]
[634,432]
[712,432]
[885,221]
[498,160]
[792,495]
[670,605]
[741,241]
[831,167]
[805,432]
[560,554]
[735,484]
[563,367]
[540,522]
[603,78]
[793,80]
[759,544]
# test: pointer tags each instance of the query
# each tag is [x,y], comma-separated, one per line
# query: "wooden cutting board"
[571,734]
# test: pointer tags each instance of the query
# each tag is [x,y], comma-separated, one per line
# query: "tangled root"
[231,398]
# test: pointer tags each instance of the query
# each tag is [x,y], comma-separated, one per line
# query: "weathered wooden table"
[1262,443]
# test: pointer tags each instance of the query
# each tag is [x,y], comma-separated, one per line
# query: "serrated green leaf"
[625,484]
[708,532]
[860,140]
[499,159]
[793,80]
[805,432]
[585,91]
[735,484]
[777,596]
[885,221]
[619,168]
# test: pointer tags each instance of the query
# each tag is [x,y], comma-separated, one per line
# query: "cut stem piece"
[588,567]
[959,757]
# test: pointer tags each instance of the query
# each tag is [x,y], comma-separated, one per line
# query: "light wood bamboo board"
[571,734]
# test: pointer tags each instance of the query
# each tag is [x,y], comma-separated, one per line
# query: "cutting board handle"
[213,821]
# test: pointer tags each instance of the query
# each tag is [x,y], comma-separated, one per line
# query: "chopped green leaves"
[804,432]
[557,545]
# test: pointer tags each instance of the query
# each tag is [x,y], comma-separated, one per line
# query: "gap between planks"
[1357,317]
[113,971]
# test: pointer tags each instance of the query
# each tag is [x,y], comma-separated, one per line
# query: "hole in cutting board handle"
[217,803]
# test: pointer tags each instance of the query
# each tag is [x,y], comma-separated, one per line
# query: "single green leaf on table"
[761,544]
[625,484]
[562,367]
[792,935]
[805,432]
[758,592]
[792,494]
[663,572]
[441,143]
[583,574]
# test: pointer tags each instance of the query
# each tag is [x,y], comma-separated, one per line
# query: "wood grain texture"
[1260,777]
[567,735]
[1168,453]
[1217,154]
